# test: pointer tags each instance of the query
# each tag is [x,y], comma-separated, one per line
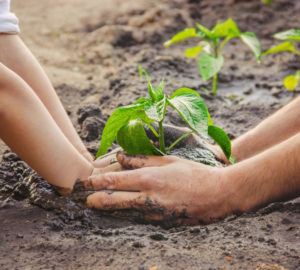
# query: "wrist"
[231,189]
[221,201]
[85,170]
[243,191]
[227,191]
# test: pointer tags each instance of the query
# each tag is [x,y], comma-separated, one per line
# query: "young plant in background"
[126,123]
[290,82]
[211,44]
[267,2]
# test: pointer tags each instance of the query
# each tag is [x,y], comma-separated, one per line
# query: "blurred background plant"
[290,82]
[267,2]
[212,42]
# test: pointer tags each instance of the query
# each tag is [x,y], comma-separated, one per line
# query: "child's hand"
[107,159]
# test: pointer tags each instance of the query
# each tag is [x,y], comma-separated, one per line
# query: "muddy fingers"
[124,180]
[138,161]
[116,200]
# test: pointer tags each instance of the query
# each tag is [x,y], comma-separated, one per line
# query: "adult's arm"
[278,127]
[168,188]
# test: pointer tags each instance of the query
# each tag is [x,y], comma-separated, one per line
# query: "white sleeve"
[9,23]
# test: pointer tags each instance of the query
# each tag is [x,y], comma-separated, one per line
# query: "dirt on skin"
[91,51]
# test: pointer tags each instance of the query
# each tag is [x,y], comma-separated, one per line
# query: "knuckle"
[159,183]
[111,180]
[95,183]
[153,182]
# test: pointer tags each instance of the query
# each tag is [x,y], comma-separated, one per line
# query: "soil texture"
[90,51]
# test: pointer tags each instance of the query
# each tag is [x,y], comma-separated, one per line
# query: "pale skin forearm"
[28,129]
[272,175]
[17,57]
[278,127]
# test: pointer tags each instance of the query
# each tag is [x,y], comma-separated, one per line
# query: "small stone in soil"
[158,237]
[138,245]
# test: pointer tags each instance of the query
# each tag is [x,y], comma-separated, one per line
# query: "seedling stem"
[215,84]
[181,138]
[161,138]
[127,123]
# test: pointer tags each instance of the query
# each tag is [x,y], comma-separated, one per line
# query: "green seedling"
[211,44]
[267,2]
[290,82]
[127,123]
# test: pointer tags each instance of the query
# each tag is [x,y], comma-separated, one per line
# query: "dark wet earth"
[41,230]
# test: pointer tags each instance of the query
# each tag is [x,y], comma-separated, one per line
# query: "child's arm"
[17,57]
[28,129]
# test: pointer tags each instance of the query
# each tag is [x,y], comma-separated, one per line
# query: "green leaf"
[192,52]
[291,34]
[209,65]
[282,47]
[159,90]
[120,117]
[232,159]
[290,82]
[182,35]
[155,93]
[226,29]
[204,32]
[210,122]
[267,2]
[150,87]
[133,139]
[156,110]
[142,71]
[252,42]
[142,100]
[221,138]
[191,108]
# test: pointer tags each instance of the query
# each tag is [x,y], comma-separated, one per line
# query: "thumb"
[138,161]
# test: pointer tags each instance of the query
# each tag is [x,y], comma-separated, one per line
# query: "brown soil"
[90,50]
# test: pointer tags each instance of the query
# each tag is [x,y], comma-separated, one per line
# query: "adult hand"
[166,189]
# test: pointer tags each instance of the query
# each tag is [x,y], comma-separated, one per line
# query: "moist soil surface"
[90,51]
